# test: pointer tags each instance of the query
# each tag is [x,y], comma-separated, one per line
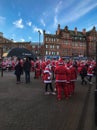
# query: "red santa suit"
[43,65]
[37,70]
[60,78]
[68,82]
[90,73]
[47,77]
[73,78]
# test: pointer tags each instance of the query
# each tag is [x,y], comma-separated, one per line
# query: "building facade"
[70,43]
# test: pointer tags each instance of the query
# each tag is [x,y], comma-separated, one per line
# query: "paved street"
[25,107]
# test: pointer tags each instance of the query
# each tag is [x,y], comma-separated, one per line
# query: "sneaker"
[47,93]
[53,93]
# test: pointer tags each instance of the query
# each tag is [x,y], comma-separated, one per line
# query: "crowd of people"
[63,72]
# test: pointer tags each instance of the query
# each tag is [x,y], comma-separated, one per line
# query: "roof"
[21,53]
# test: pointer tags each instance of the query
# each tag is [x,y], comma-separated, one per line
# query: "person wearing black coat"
[18,72]
[83,74]
[27,69]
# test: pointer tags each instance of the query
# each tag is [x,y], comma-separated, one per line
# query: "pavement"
[25,107]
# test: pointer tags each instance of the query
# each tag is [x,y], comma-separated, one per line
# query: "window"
[46,39]
[46,52]
[33,46]
[57,53]
[52,52]
[49,52]
[57,46]
[50,46]
[46,46]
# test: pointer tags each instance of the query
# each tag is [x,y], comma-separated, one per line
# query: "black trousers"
[48,85]
[83,79]
[18,76]
[27,76]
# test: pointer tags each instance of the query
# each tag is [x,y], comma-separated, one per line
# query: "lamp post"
[39,43]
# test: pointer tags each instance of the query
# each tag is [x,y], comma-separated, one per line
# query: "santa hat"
[47,69]
[60,62]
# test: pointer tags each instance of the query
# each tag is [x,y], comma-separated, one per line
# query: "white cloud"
[36,29]
[30,38]
[58,7]
[19,23]
[55,21]
[65,12]
[14,40]
[29,23]
[22,40]
[81,9]
[42,22]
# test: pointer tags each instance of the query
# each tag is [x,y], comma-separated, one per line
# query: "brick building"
[70,43]
[64,43]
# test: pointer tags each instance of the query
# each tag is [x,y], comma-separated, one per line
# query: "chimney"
[75,30]
[66,28]
[58,29]
[84,31]
[43,31]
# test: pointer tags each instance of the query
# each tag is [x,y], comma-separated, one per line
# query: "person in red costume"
[47,78]
[43,65]
[90,73]
[73,77]
[60,78]
[37,70]
[68,81]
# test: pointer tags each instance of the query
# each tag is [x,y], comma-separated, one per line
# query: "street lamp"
[39,43]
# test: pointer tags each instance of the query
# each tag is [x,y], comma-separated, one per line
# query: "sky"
[21,20]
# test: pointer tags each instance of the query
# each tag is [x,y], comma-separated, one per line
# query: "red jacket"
[60,73]
[90,71]
[73,73]
[47,76]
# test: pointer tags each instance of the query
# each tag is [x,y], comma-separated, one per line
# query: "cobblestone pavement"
[25,107]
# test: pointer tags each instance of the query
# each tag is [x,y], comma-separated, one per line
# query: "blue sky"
[20,20]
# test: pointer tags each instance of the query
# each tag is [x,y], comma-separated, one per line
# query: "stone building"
[70,43]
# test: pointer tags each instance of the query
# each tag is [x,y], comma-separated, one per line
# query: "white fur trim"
[46,71]
[47,81]
[90,74]
[60,81]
